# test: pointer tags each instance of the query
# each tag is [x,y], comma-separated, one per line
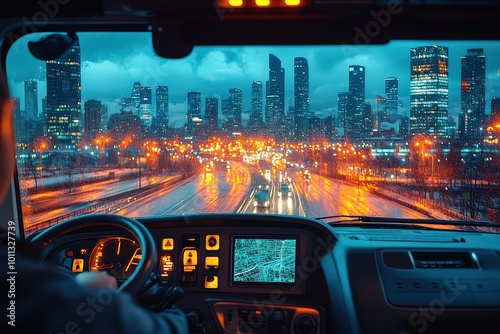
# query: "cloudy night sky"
[111,62]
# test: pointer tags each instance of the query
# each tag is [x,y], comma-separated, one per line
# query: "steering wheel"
[136,282]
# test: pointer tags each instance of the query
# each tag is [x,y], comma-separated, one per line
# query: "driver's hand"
[96,280]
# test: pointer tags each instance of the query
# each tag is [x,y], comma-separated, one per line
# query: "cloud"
[111,62]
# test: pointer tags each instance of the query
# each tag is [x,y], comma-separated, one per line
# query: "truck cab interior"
[144,131]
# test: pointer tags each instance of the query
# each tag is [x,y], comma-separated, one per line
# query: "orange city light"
[261,3]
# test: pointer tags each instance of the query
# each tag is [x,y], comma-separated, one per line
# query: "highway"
[228,192]
[211,192]
[47,205]
[327,197]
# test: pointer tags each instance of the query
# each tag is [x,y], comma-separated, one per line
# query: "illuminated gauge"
[118,256]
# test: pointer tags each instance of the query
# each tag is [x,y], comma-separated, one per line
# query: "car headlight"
[267,203]
[289,194]
[255,203]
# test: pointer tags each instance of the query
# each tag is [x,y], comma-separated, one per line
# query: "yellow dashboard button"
[77,266]
[167,244]
[212,262]
[212,242]
[211,282]
[190,257]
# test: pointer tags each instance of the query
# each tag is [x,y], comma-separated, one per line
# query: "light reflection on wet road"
[211,192]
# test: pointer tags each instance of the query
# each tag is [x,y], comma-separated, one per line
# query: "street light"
[41,148]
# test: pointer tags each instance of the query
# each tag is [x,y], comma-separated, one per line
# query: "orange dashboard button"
[190,257]
[77,266]
[167,244]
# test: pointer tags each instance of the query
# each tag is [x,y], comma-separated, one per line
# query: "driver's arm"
[49,301]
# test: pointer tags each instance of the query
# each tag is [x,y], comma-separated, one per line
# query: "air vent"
[435,260]
[413,238]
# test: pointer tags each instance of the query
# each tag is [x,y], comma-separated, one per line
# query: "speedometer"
[116,255]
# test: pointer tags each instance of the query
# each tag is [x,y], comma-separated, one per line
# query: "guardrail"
[402,196]
[107,204]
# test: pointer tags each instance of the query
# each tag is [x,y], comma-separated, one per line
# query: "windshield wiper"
[366,219]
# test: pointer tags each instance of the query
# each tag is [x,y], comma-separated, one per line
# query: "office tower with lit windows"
[64,109]
[277,82]
[193,110]
[212,114]
[236,107]
[381,114]
[31,100]
[145,107]
[357,90]
[495,106]
[392,96]
[357,83]
[473,94]
[92,117]
[256,111]
[301,90]
[429,91]
[347,108]
[161,110]
[273,115]
[104,117]
[135,97]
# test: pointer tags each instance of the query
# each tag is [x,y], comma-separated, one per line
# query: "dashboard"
[277,274]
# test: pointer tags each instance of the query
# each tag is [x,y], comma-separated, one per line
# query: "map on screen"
[264,260]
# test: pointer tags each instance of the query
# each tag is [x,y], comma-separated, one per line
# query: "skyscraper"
[236,106]
[273,115]
[135,97]
[473,90]
[347,107]
[380,115]
[126,103]
[145,106]
[392,95]
[277,82]
[31,99]
[92,117]
[357,120]
[495,107]
[301,89]
[212,113]
[256,111]
[357,83]
[429,91]
[162,110]
[64,107]
[104,117]
[193,109]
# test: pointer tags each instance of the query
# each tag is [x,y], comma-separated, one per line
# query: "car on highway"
[262,199]
[285,191]
[153,138]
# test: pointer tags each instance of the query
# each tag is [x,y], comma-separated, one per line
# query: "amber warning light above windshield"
[262,3]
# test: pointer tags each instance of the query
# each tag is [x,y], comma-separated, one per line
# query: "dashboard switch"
[212,262]
[167,244]
[190,265]
[211,282]
[77,266]
[212,242]
[167,266]
[190,257]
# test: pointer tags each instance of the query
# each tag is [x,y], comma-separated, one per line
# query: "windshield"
[408,129]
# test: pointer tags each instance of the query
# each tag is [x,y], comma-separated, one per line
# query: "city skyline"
[323,87]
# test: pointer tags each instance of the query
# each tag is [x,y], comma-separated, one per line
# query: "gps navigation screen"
[264,260]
